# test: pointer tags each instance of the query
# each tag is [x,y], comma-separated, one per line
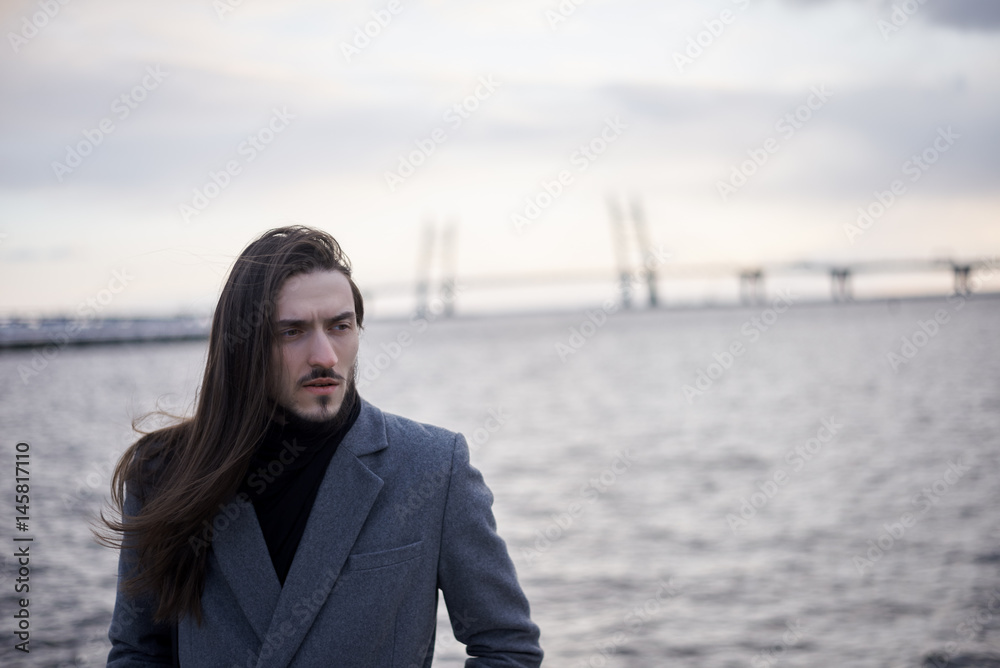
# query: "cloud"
[857,142]
[963,14]
[967,14]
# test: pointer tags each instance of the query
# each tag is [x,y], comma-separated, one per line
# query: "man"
[289,522]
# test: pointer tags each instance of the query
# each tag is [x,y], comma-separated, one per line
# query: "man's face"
[316,343]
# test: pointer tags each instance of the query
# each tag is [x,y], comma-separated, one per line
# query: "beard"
[325,420]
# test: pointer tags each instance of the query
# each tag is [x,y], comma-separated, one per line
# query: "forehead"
[318,294]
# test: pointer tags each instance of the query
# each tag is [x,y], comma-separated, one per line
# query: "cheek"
[350,350]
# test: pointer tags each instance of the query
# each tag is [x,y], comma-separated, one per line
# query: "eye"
[288,333]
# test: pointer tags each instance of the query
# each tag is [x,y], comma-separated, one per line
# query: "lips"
[321,386]
[320,382]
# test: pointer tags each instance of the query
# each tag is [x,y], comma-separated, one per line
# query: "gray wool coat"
[400,514]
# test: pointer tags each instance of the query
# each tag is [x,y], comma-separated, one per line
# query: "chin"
[318,413]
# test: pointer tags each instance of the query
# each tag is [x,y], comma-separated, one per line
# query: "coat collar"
[281,616]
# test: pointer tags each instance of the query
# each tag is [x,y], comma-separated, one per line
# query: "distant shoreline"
[20,333]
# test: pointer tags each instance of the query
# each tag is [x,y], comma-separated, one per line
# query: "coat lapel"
[342,504]
[242,556]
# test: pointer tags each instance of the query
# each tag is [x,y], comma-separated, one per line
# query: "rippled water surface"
[801,504]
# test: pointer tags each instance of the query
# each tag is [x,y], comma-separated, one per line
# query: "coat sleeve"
[489,613]
[135,639]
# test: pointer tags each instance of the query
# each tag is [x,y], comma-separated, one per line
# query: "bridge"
[639,262]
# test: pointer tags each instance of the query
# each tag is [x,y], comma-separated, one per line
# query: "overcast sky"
[684,93]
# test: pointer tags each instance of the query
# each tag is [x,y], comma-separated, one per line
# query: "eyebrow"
[340,317]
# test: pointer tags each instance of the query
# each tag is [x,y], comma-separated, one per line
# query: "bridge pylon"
[840,284]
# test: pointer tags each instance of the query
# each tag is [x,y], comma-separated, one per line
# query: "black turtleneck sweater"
[285,474]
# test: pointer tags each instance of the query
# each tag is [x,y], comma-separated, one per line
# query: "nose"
[321,351]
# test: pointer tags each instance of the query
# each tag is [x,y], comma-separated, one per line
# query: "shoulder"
[405,437]
[402,427]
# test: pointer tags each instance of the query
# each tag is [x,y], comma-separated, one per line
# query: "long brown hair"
[183,473]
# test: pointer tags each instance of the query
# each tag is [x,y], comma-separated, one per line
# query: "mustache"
[321,373]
